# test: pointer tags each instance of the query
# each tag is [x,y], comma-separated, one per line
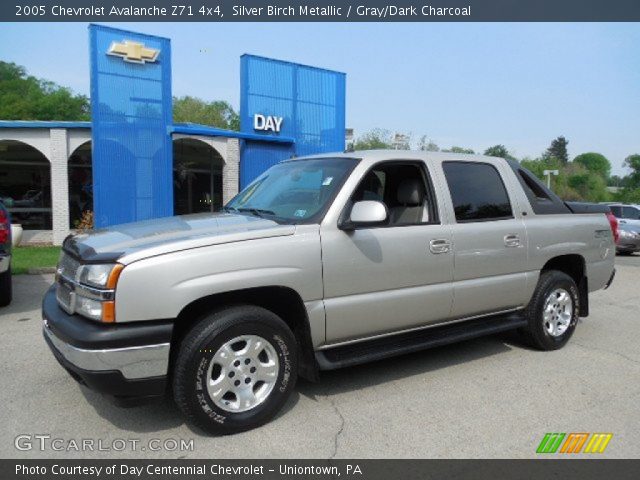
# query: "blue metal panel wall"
[131,113]
[310,100]
[259,156]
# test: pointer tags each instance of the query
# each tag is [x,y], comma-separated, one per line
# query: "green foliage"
[558,150]
[633,162]
[24,97]
[595,163]
[195,110]
[376,139]
[573,183]
[427,145]
[499,151]
[589,186]
[455,149]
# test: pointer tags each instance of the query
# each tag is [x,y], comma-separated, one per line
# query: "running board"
[391,346]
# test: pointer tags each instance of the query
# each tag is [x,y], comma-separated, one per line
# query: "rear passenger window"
[477,192]
[630,213]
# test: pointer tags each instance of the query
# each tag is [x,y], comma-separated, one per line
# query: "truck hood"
[129,242]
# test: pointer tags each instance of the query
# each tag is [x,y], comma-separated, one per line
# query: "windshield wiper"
[258,212]
[229,209]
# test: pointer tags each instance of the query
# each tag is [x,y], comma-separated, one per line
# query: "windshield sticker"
[327,181]
[300,213]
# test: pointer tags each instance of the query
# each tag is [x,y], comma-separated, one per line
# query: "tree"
[590,186]
[633,162]
[376,139]
[595,163]
[427,145]
[558,149]
[24,97]
[195,110]
[455,149]
[499,151]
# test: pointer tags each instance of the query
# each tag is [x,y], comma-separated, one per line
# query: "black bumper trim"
[84,333]
[112,382]
[613,275]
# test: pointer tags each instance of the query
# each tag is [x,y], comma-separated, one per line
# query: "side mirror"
[365,213]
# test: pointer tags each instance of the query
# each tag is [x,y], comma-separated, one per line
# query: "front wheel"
[552,313]
[235,369]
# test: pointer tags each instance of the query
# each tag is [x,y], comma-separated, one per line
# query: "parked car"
[626,214]
[322,262]
[5,256]
[628,239]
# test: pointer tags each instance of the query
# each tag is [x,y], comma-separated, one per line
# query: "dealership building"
[131,162]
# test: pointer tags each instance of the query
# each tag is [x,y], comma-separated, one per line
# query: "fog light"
[89,308]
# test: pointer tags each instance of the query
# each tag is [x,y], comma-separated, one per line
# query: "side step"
[391,346]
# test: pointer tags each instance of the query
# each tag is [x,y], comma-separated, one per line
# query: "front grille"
[68,266]
[64,295]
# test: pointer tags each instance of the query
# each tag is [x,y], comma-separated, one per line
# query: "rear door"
[630,216]
[489,241]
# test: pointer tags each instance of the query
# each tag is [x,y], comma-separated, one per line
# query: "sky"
[471,85]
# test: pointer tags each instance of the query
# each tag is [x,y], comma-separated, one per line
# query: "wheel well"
[574,266]
[283,301]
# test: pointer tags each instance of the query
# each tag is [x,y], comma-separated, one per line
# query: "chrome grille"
[65,297]
[67,271]
[68,266]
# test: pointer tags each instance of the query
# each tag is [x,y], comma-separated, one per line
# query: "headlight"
[88,290]
[100,276]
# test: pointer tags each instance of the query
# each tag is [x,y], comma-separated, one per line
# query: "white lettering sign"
[267,123]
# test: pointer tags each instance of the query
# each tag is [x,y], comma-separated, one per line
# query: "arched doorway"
[80,174]
[25,184]
[197,177]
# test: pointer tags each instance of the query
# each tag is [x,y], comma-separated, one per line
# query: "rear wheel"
[5,288]
[552,313]
[235,369]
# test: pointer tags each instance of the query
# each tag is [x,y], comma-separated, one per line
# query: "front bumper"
[125,360]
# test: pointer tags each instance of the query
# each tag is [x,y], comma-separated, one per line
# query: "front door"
[392,277]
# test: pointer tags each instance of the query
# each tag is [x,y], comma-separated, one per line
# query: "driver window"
[403,189]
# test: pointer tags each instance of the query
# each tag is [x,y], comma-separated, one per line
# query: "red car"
[5,256]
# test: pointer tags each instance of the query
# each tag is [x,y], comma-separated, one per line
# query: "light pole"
[548,174]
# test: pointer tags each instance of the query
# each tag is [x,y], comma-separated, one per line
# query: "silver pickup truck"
[322,262]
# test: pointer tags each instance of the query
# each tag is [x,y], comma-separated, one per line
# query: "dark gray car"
[628,239]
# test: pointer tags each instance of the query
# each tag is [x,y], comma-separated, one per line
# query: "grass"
[24,258]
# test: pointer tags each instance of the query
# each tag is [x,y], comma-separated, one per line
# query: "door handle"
[439,245]
[511,240]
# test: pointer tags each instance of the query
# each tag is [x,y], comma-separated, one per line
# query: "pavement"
[487,398]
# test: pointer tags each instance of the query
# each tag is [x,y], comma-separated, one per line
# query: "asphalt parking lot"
[491,397]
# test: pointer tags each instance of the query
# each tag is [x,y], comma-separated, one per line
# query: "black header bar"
[320,11]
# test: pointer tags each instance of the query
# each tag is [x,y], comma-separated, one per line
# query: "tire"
[5,288]
[553,331]
[213,351]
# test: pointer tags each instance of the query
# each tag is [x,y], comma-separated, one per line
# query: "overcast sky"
[471,85]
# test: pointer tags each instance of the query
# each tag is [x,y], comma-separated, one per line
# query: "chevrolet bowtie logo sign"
[133,52]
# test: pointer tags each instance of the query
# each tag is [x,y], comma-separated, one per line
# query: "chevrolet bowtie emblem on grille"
[133,52]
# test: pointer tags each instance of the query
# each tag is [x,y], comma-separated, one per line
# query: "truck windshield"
[295,191]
